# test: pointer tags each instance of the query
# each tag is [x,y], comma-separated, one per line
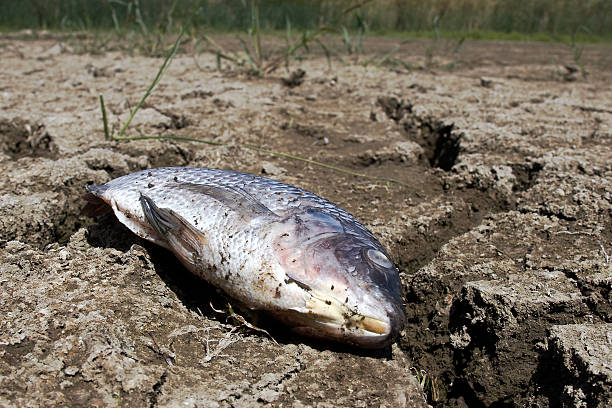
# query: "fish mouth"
[327,318]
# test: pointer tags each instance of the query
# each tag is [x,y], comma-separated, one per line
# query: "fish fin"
[235,198]
[95,205]
[183,238]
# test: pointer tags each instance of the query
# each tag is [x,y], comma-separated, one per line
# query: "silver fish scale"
[276,196]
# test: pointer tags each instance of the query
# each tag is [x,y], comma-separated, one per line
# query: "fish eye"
[379,258]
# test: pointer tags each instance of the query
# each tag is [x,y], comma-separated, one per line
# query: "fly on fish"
[271,246]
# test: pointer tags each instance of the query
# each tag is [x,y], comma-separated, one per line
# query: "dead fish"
[271,246]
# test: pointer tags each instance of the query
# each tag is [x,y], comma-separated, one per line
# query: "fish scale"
[272,246]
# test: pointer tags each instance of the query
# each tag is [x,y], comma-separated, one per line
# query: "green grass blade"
[158,77]
[256,32]
[326,50]
[347,41]
[107,136]
[288,36]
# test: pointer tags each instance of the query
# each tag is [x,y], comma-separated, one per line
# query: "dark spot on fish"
[175,178]
[328,302]
[346,300]
[293,260]
[277,294]
[149,174]
[332,287]
[150,185]
[285,234]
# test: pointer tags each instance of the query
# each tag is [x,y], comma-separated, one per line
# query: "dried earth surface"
[501,225]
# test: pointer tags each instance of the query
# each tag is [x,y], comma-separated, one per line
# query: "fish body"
[273,247]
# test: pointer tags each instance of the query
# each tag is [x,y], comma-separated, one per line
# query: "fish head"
[352,287]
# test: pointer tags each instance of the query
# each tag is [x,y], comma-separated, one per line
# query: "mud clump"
[20,139]
[48,219]
[526,175]
[394,109]
[579,358]
[486,317]
[497,329]
[296,78]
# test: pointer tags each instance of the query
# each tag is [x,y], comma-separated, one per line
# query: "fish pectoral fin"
[185,240]
[235,198]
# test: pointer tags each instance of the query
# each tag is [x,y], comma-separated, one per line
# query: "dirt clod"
[580,361]
[295,79]
[20,139]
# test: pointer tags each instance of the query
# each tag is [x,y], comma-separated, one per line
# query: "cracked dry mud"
[502,229]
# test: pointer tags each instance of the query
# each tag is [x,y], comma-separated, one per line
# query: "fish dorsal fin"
[233,197]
